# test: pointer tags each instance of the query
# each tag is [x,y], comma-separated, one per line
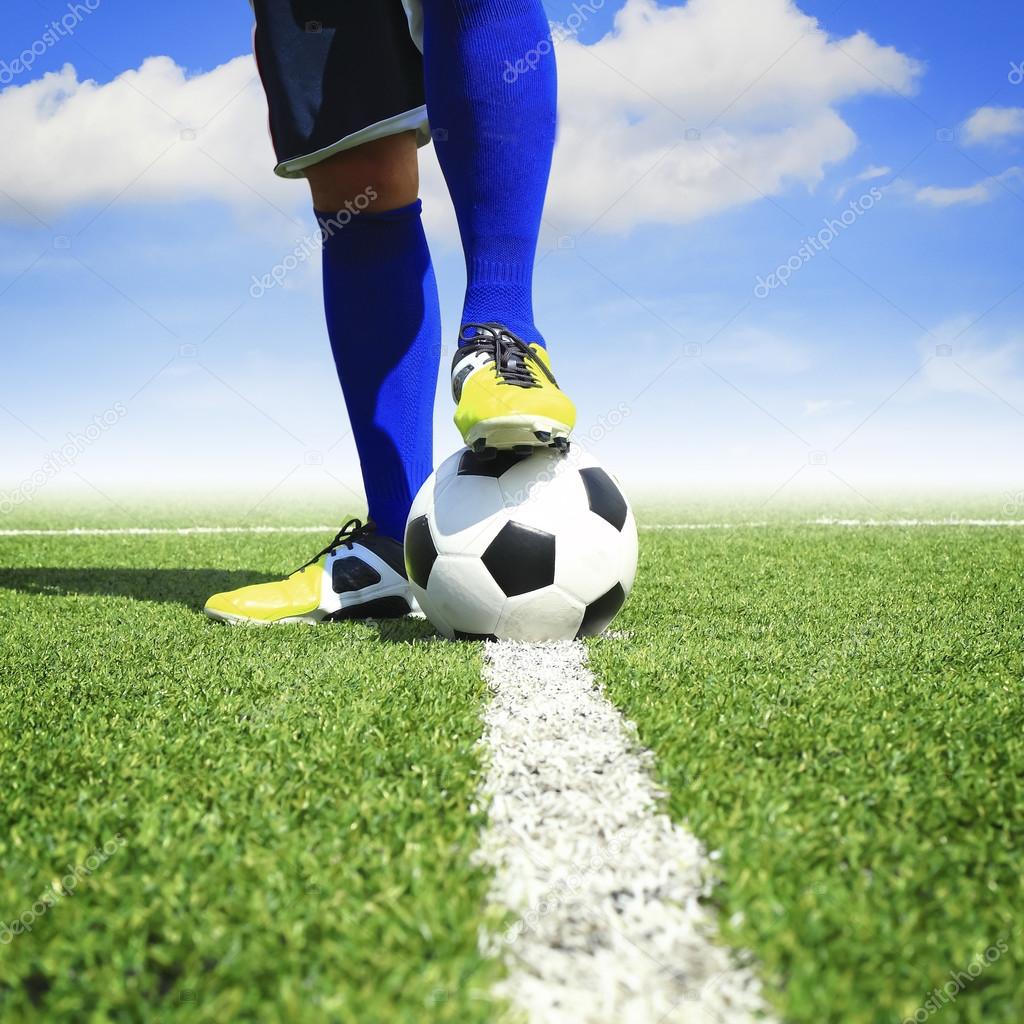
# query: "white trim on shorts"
[410,120]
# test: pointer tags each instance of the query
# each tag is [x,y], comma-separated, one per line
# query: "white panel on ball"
[468,512]
[540,481]
[589,558]
[461,597]
[548,614]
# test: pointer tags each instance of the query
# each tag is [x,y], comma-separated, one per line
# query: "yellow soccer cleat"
[359,575]
[505,393]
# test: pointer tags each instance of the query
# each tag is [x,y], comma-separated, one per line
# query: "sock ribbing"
[494,133]
[380,300]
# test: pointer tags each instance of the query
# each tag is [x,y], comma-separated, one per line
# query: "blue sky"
[135,211]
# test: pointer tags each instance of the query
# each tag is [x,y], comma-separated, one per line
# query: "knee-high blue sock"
[493,118]
[385,328]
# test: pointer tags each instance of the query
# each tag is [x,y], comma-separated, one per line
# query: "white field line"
[951,521]
[187,531]
[604,890]
[826,521]
[702,526]
[161,531]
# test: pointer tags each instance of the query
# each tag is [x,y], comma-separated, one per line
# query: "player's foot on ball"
[505,393]
[359,575]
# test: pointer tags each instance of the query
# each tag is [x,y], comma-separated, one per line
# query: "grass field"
[840,713]
[201,823]
[294,805]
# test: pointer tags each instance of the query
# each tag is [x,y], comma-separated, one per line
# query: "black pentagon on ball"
[600,613]
[420,553]
[472,464]
[605,498]
[521,559]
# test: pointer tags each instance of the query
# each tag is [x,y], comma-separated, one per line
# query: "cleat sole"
[519,433]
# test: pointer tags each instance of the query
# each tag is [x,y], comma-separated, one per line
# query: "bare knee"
[385,172]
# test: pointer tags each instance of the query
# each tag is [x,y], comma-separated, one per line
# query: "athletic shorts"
[338,73]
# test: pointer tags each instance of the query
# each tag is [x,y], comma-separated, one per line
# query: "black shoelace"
[352,531]
[514,360]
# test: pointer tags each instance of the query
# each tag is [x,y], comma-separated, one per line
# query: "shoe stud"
[483,451]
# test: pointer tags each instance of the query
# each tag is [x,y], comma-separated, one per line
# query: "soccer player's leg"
[494,133]
[380,296]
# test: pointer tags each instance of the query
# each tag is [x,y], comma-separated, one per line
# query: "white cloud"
[958,360]
[81,142]
[988,124]
[983,191]
[758,79]
[871,173]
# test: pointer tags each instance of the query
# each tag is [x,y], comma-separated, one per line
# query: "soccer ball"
[521,547]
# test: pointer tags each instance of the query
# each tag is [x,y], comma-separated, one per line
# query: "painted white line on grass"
[188,531]
[951,521]
[605,890]
[825,521]
[702,526]
[158,531]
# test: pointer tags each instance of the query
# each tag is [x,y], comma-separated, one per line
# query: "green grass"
[840,713]
[288,813]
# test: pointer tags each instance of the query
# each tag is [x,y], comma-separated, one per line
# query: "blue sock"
[494,130]
[385,327]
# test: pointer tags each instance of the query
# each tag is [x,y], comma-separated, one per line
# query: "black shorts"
[338,73]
